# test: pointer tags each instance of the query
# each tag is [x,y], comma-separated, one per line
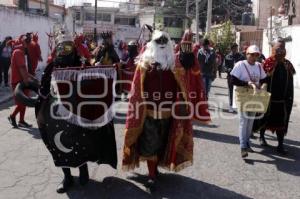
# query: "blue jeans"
[207,84]
[245,128]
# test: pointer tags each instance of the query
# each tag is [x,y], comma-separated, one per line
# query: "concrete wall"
[15,23]
[261,10]
[291,47]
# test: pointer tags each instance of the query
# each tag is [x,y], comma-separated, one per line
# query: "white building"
[124,25]
[38,7]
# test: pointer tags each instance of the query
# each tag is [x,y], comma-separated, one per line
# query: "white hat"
[253,49]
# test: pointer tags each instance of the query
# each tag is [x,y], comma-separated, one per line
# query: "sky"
[101,3]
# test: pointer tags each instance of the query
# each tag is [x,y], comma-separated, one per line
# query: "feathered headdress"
[106,35]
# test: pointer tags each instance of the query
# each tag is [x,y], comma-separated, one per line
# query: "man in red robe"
[159,120]
[280,72]
[186,58]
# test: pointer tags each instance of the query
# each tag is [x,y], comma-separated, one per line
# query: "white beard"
[154,53]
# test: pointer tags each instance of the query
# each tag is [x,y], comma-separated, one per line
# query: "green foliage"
[223,36]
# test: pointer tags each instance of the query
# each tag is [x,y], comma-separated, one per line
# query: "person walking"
[280,73]
[5,56]
[207,61]
[219,62]
[247,73]
[230,60]
[19,73]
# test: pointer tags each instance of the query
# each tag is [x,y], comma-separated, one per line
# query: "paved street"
[27,170]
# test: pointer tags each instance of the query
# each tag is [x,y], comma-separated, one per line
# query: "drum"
[84,96]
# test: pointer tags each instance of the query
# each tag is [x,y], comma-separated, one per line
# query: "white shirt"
[256,73]
[247,72]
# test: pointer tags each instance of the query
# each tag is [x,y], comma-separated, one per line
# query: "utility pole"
[95,28]
[187,13]
[209,15]
[197,21]
[47,8]
[271,29]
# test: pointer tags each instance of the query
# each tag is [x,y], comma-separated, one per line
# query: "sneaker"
[244,153]
[24,124]
[12,121]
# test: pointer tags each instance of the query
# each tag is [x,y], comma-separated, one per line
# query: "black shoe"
[84,176]
[263,142]
[65,185]
[244,153]
[12,121]
[151,185]
[252,136]
[24,124]
[250,150]
[281,150]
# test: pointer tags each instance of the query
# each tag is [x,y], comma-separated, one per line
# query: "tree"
[223,36]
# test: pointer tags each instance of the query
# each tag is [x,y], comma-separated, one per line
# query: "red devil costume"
[19,73]
[34,51]
[106,54]
[75,134]
[153,131]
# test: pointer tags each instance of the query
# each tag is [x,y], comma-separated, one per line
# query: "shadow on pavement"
[289,163]
[180,187]
[217,137]
[6,105]
[33,131]
[111,187]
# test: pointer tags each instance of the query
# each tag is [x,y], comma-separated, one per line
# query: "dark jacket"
[231,59]
[207,61]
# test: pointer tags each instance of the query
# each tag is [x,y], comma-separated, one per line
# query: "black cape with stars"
[71,145]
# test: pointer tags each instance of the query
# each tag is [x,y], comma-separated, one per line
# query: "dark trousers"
[230,89]
[4,66]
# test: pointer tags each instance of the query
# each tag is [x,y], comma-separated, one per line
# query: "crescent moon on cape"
[59,145]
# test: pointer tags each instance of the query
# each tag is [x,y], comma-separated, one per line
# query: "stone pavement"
[27,170]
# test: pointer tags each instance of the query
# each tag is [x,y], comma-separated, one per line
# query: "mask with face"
[162,41]
[64,48]
[132,51]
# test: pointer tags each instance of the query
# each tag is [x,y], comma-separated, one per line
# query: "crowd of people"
[169,88]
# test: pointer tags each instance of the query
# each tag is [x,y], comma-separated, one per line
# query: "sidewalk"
[5,94]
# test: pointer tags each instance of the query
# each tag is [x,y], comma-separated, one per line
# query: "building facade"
[36,7]
[124,25]
[262,10]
